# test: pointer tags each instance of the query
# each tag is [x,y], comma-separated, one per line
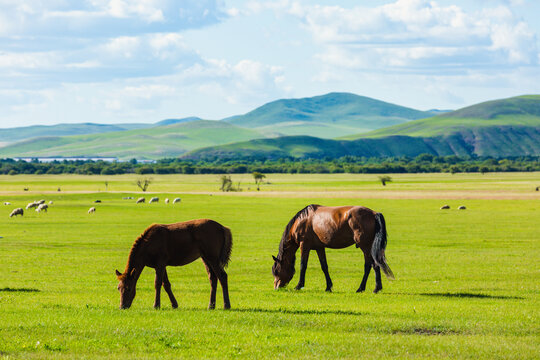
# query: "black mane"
[137,244]
[285,236]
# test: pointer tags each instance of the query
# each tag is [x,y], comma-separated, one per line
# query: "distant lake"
[78,158]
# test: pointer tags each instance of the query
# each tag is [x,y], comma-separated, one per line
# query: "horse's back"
[201,237]
[342,226]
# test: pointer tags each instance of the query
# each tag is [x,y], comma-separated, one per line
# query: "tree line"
[424,163]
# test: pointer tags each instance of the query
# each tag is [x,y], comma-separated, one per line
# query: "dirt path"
[371,194]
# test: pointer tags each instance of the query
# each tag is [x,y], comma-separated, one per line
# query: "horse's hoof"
[175,306]
[360,290]
[377,290]
[211,306]
[328,289]
[298,287]
[227,307]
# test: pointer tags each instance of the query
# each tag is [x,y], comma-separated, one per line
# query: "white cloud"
[105,17]
[407,33]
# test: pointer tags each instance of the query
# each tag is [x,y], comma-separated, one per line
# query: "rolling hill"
[327,116]
[150,143]
[500,128]
[516,111]
[27,132]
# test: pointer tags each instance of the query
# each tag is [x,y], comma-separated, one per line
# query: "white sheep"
[92,210]
[32,205]
[40,202]
[50,202]
[42,207]
[154,199]
[7,203]
[445,207]
[140,200]
[176,200]
[17,211]
[166,200]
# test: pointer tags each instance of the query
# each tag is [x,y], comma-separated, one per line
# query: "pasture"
[467,281]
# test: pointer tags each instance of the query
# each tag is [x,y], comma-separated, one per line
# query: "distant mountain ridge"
[27,132]
[331,115]
[514,111]
[501,128]
[148,143]
[500,142]
[177,121]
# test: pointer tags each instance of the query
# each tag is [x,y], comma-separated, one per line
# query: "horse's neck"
[135,261]
[288,252]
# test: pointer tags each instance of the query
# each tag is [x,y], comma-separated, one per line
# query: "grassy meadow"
[467,281]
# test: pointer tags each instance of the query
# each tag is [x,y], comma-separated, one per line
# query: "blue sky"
[117,61]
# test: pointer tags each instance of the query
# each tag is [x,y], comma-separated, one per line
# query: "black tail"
[225,255]
[379,245]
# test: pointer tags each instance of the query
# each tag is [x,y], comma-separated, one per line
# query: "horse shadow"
[8,289]
[464,295]
[299,311]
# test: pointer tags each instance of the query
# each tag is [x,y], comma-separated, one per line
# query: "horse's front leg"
[304,250]
[167,287]
[160,270]
[324,267]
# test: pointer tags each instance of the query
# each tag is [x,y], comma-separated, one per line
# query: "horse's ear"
[118,273]
[275,258]
[132,272]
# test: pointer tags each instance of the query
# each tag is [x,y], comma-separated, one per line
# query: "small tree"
[226,183]
[258,179]
[384,179]
[143,183]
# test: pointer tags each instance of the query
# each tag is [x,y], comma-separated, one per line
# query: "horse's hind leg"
[167,287]
[213,284]
[368,261]
[324,267]
[222,277]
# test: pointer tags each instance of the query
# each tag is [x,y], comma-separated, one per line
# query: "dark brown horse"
[318,227]
[178,244]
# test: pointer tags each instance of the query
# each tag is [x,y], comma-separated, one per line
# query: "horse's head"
[126,286]
[282,274]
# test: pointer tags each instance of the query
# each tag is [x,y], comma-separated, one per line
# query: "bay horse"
[317,227]
[178,244]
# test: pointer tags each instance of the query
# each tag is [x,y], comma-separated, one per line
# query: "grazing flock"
[42,206]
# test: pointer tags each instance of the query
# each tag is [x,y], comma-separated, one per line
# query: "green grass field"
[467,281]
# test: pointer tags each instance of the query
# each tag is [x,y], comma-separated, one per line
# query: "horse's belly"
[334,239]
[183,254]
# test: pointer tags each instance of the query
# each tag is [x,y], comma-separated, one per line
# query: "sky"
[130,61]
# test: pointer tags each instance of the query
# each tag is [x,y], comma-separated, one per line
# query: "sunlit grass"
[466,280]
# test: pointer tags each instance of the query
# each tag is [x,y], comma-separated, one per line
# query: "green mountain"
[21,133]
[151,143]
[500,128]
[327,116]
[516,111]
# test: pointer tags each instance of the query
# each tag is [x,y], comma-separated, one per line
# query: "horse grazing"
[178,244]
[318,227]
